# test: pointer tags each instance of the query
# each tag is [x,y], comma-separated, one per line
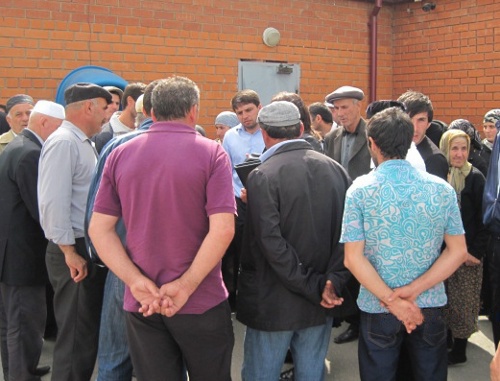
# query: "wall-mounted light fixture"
[427,7]
[271,37]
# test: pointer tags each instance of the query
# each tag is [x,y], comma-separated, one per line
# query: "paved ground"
[342,359]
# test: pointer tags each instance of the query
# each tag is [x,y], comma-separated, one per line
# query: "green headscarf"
[456,176]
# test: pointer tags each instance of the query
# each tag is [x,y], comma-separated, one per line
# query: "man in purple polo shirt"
[173,189]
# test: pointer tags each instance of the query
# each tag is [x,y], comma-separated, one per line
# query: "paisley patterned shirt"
[402,214]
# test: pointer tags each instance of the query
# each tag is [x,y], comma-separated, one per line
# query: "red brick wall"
[451,54]
[143,40]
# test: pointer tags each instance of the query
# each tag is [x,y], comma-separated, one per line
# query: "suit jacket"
[359,162]
[291,240]
[22,241]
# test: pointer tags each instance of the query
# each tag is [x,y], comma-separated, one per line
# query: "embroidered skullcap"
[227,118]
[139,104]
[279,114]
[50,109]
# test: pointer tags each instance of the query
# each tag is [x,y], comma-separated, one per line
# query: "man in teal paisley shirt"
[395,220]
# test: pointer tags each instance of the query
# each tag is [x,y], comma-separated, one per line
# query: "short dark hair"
[134,90]
[174,97]
[244,97]
[416,102]
[392,132]
[146,100]
[286,132]
[322,110]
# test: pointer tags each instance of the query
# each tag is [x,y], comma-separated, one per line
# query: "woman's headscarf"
[456,176]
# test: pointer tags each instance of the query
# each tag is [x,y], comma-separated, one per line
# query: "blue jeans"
[264,353]
[380,340]
[113,354]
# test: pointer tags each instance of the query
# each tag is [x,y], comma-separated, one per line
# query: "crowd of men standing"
[150,235]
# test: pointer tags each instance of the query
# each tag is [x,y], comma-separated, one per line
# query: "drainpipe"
[373,50]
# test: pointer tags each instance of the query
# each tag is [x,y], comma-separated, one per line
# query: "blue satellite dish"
[93,74]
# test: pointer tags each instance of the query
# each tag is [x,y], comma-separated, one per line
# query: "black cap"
[377,106]
[83,91]
[18,99]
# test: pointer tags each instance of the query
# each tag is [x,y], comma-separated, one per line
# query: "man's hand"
[406,311]
[147,294]
[495,366]
[77,265]
[329,297]
[243,195]
[174,296]
[472,260]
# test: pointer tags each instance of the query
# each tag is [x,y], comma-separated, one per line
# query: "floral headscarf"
[492,116]
[456,176]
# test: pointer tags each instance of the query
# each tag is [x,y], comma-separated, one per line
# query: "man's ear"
[153,116]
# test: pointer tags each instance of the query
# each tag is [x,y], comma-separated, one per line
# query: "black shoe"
[455,359]
[350,334]
[42,371]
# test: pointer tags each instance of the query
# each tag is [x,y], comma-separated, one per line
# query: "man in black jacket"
[292,272]
[419,108]
[23,274]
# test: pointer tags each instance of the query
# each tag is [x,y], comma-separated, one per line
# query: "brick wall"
[451,54]
[143,40]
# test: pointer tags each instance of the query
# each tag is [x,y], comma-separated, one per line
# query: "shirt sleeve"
[454,224]
[353,220]
[107,200]
[220,193]
[56,168]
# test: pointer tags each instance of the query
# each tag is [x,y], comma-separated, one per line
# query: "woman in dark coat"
[464,286]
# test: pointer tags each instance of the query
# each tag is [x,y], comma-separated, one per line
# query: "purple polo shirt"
[164,184]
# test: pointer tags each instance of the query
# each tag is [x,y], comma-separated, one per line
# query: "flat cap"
[344,92]
[49,108]
[227,118]
[83,90]
[18,99]
[279,114]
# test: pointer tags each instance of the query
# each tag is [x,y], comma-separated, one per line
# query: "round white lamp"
[271,37]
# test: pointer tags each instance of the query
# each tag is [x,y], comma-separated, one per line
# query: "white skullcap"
[50,109]
[139,104]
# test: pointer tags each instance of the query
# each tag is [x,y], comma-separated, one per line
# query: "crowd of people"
[150,234]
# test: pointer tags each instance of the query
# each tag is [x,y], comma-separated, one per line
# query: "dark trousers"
[159,344]
[382,336]
[231,260]
[77,307]
[494,274]
[22,322]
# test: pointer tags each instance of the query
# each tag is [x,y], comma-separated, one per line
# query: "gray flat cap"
[279,114]
[344,92]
